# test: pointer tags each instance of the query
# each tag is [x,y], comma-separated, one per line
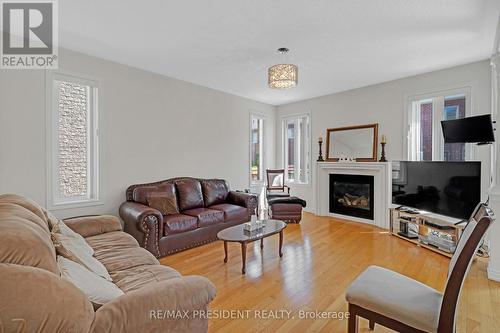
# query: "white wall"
[152,128]
[385,104]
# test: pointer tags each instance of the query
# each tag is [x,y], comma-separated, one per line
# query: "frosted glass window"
[74,141]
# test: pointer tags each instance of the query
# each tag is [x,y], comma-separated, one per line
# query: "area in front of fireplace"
[351,195]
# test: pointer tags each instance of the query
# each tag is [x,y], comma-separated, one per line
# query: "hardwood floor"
[321,258]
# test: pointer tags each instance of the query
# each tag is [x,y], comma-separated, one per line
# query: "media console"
[432,231]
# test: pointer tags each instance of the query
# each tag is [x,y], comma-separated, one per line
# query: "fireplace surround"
[381,172]
[352,195]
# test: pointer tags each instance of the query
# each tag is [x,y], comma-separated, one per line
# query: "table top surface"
[238,234]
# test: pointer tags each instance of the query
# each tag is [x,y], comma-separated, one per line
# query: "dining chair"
[276,182]
[400,303]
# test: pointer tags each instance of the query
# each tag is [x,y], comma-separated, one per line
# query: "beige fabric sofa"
[34,298]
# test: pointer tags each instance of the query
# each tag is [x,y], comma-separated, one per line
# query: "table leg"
[262,243]
[225,251]
[281,242]
[243,256]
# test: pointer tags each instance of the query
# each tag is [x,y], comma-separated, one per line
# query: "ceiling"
[228,44]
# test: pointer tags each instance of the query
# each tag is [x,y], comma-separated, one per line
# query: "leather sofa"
[35,298]
[204,207]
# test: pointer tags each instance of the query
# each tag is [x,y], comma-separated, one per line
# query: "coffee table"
[239,235]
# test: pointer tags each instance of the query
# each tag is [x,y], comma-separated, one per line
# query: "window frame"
[283,119]
[438,97]
[262,153]
[94,158]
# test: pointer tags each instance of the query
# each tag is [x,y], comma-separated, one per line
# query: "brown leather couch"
[205,206]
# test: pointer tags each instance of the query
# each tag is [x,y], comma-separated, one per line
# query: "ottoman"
[287,209]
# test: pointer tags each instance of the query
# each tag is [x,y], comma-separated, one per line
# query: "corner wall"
[152,128]
[385,104]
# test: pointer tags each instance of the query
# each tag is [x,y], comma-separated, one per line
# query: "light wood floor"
[321,258]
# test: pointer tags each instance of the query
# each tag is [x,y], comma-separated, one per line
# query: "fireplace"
[352,195]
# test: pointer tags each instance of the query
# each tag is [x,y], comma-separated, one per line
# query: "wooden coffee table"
[238,234]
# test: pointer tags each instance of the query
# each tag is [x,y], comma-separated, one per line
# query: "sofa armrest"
[144,223]
[175,305]
[243,199]
[93,225]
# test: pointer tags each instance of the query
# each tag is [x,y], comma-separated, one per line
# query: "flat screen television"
[446,188]
[478,129]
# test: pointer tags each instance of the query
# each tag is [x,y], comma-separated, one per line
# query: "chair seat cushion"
[396,296]
[177,223]
[206,216]
[232,212]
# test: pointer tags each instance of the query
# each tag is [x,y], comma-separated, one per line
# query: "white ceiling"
[228,44]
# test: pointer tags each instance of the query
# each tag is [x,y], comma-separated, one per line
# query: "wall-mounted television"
[477,129]
[446,188]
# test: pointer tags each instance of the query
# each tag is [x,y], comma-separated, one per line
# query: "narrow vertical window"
[296,148]
[256,148]
[74,141]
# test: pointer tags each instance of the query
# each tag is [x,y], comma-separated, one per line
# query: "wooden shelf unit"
[425,223]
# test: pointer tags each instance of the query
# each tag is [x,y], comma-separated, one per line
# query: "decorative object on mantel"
[382,143]
[346,159]
[358,142]
[320,157]
[283,76]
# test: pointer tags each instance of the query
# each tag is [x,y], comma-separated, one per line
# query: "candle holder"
[382,157]
[320,157]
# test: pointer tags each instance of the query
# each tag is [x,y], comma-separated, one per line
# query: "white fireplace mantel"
[382,180]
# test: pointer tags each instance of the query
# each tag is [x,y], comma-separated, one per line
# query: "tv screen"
[446,188]
[471,129]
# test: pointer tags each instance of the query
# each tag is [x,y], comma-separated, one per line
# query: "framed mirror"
[359,142]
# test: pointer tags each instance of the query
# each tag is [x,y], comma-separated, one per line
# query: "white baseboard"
[493,274]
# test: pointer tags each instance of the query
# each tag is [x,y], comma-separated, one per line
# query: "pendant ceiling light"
[282,76]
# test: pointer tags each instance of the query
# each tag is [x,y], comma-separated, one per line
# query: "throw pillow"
[72,249]
[61,228]
[98,290]
[163,202]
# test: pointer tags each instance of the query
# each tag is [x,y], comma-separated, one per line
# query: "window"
[73,138]
[425,138]
[256,148]
[296,148]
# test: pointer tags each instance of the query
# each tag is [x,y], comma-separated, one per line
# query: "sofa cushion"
[177,223]
[98,290]
[165,203]
[232,212]
[140,276]
[206,217]
[111,240]
[21,227]
[215,191]
[189,194]
[140,194]
[124,255]
[46,301]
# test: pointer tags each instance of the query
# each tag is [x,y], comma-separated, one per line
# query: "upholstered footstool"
[287,209]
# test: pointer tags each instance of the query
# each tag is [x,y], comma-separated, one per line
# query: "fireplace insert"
[351,195]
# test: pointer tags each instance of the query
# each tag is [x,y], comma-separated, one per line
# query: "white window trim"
[50,142]
[264,117]
[467,90]
[308,183]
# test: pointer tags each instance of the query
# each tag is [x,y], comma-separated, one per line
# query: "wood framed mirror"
[359,142]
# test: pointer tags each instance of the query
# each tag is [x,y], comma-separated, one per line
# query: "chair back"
[469,242]
[275,179]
